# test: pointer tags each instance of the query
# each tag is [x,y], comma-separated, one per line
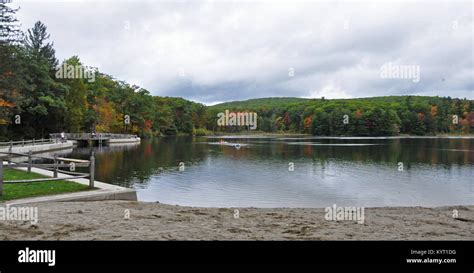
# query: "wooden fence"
[54,165]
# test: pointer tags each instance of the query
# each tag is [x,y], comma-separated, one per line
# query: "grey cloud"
[224,51]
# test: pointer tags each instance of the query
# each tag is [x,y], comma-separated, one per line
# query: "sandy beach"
[108,220]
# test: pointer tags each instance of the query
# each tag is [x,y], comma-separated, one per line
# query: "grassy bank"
[24,190]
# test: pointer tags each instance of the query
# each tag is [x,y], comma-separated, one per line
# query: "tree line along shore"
[41,95]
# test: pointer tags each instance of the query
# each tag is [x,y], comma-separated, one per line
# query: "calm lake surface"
[343,171]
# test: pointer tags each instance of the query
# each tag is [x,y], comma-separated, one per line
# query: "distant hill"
[275,101]
[287,101]
[372,116]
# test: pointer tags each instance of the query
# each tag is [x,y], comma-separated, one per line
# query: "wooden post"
[33,142]
[23,142]
[10,153]
[91,171]
[29,160]
[1,177]
[55,166]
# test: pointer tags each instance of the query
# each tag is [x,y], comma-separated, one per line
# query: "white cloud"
[226,50]
[330,92]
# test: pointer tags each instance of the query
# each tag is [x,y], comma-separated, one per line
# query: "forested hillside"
[378,116]
[35,100]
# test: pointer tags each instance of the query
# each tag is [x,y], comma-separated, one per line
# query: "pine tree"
[10,32]
[36,45]
[45,102]
[11,74]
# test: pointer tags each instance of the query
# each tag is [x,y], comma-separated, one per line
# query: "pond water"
[287,171]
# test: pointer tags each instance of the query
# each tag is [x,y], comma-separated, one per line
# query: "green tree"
[44,104]
[12,74]
[321,126]
[76,99]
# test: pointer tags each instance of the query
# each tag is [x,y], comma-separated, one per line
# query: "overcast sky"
[215,51]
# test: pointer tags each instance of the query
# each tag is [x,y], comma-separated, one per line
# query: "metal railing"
[117,136]
[57,162]
[31,142]
[86,136]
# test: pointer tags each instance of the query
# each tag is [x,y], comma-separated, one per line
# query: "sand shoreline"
[107,220]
